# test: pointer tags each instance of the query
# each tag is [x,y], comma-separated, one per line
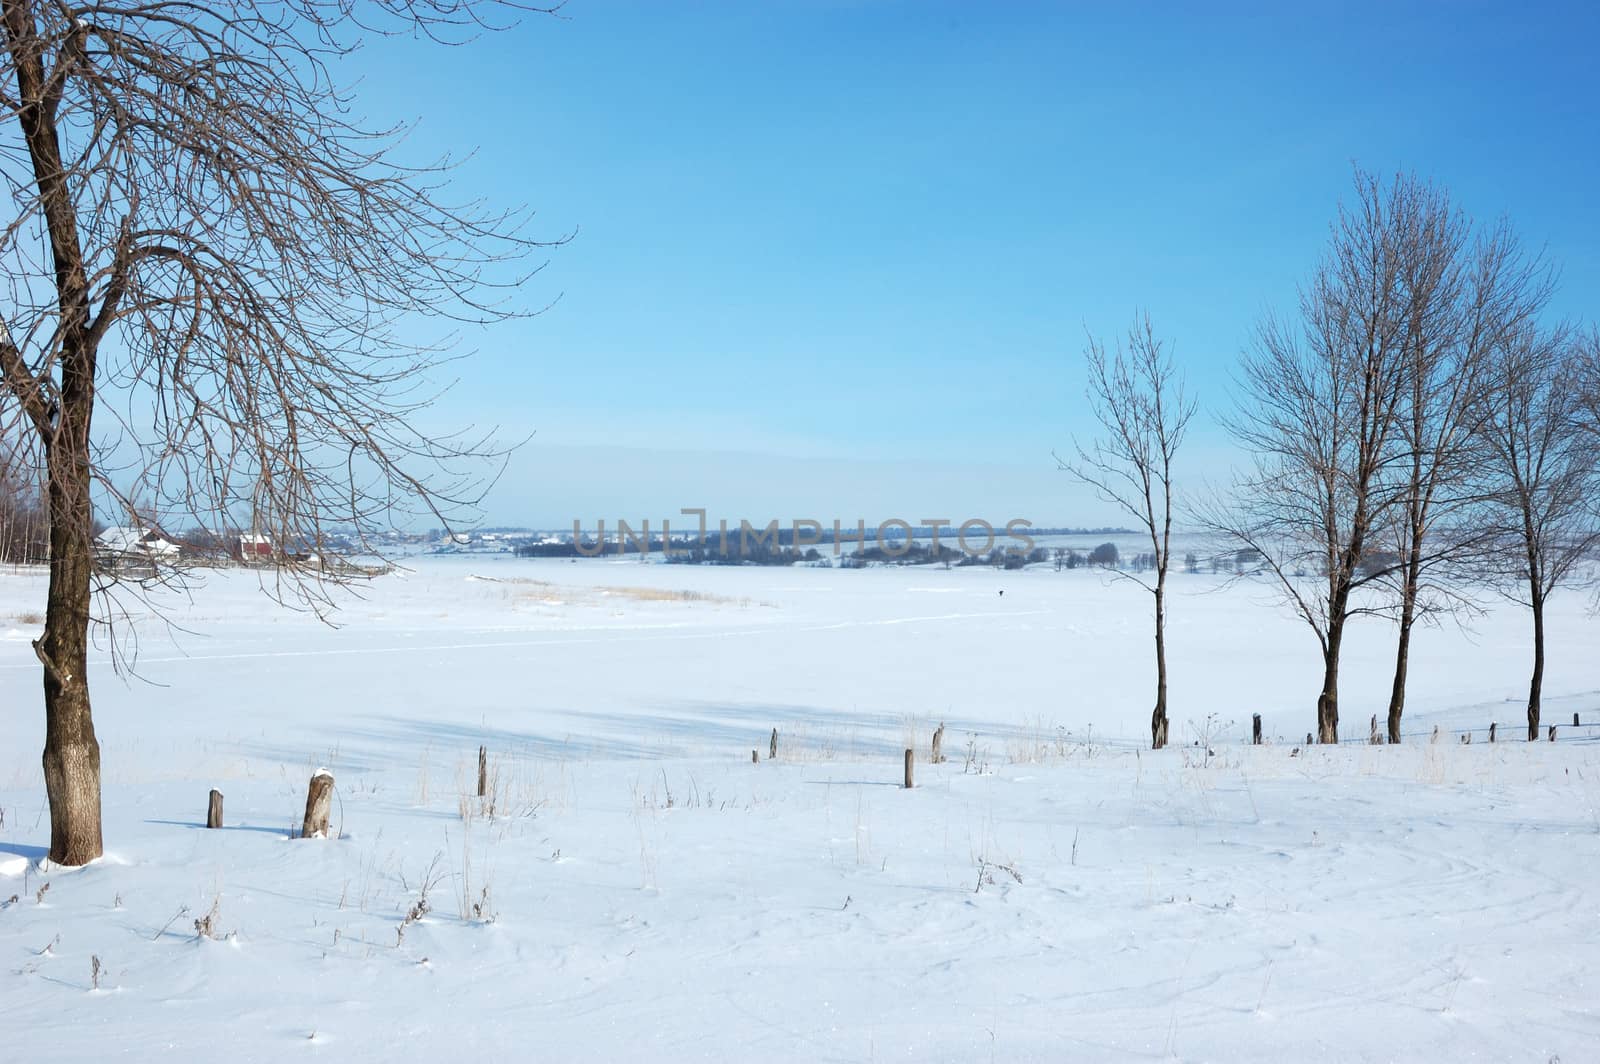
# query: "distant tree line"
[912,553]
[750,550]
[24,521]
[753,553]
[716,550]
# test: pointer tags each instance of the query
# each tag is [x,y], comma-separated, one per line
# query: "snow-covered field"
[635,888]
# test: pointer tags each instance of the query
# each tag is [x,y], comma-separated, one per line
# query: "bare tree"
[209,256]
[1319,404]
[1463,294]
[1139,400]
[1544,472]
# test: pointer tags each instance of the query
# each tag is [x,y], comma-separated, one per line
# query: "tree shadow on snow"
[19,849]
[673,729]
[278,831]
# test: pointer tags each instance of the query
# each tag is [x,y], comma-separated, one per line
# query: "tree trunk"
[1158,718]
[1328,700]
[1536,685]
[1415,528]
[71,751]
[1338,615]
[1402,660]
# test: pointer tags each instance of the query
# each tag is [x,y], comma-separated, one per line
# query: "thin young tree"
[208,256]
[1543,473]
[1138,397]
[1463,294]
[1318,409]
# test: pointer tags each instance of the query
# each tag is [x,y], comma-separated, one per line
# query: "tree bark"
[71,751]
[1536,685]
[1328,700]
[1402,661]
[1158,718]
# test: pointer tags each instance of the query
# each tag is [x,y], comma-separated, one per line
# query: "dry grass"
[517,786]
[662,594]
[29,617]
[1039,741]
[422,775]
[916,734]
[207,926]
[804,741]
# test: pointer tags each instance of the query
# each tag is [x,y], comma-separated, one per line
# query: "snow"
[634,888]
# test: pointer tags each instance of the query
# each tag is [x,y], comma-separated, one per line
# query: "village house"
[127,545]
[251,548]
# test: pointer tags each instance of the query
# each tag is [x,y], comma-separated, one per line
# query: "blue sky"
[837,258]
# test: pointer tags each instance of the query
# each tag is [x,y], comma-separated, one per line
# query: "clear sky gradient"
[836,259]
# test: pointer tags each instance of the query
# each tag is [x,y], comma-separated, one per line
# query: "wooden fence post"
[319,800]
[214,810]
[755,758]
[1552,733]
[911,759]
[772,747]
[483,772]
[1255,729]
[1309,740]
[938,743]
[1575,723]
[1491,731]
[1372,736]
